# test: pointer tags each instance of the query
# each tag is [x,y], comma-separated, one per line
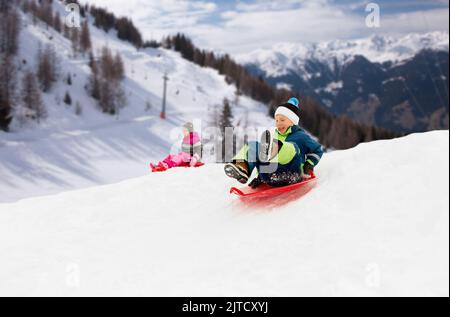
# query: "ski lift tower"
[163,111]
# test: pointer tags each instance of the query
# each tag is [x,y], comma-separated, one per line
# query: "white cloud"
[159,13]
[263,23]
[313,22]
[264,5]
[423,21]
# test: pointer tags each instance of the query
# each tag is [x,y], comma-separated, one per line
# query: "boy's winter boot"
[237,171]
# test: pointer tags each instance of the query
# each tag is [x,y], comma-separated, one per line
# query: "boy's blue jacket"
[310,150]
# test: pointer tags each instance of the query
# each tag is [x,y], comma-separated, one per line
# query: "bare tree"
[85,38]
[119,70]
[47,68]
[9,30]
[75,39]
[105,81]
[107,64]
[32,105]
[45,12]
[34,10]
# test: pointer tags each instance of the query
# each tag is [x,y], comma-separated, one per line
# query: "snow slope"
[377,224]
[67,151]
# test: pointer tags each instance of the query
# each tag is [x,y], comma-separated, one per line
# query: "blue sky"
[388,6]
[240,26]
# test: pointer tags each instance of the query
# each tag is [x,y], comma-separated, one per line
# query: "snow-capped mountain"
[395,83]
[286,57]
[374,225]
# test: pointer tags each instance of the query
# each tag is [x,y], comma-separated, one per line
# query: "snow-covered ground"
[376,224]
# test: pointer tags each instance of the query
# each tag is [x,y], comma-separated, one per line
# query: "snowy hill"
[68,151]
[377,223]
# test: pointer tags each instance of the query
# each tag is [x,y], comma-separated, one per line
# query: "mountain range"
[396,83]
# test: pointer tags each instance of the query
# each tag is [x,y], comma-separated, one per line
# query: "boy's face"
[282,123]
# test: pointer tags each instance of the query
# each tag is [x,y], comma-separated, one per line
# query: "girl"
[191,151]
[282,157]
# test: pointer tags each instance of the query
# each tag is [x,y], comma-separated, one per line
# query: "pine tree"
[31,99]
[226,116]
[128,32]
[225,121]
[67,99]
[103,19]
[8,83]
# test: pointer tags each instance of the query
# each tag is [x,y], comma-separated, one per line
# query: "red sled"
[266,191]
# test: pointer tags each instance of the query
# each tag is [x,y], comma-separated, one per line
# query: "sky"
[241,26]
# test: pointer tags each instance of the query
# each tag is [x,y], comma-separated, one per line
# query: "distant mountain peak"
[376,48]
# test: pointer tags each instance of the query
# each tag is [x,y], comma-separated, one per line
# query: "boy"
[281,157]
